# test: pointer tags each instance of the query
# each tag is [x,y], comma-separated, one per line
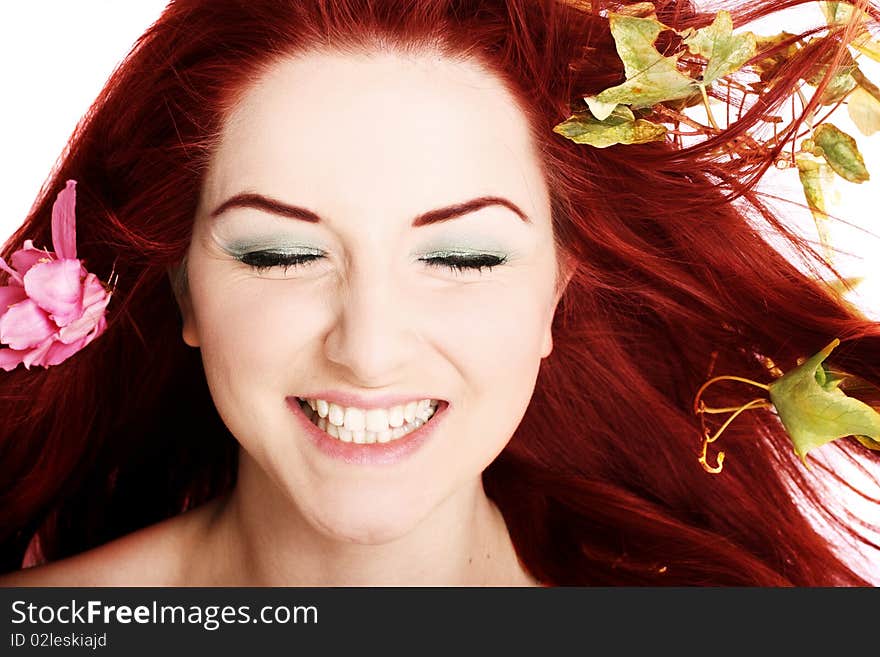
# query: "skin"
[368,142]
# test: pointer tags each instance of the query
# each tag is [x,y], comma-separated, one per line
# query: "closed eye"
[261,261]
[458,263]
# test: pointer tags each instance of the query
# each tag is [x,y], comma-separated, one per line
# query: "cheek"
[246,329]
[494,336]
[498,325]
[251,331]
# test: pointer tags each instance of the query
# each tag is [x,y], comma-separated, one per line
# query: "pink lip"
[351,399]
[373,453]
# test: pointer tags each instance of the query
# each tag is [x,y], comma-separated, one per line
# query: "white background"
[55,56]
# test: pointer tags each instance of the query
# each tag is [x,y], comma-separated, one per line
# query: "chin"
[367,524]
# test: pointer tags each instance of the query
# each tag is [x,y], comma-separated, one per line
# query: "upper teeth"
[374,419]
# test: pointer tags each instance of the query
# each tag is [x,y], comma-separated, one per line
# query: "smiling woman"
[371,321]
[356,306]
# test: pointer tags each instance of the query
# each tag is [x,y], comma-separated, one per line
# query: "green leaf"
[815,411]
[864,110]
[828,379]
[621,127]
[651,78]
[599,109]
[841,152]
[725,51]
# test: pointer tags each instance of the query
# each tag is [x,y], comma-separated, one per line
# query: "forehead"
[378,129]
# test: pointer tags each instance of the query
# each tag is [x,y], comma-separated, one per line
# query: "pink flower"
[52,306]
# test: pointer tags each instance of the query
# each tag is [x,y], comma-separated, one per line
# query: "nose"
[372,337]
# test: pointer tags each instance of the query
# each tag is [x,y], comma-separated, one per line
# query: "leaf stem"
[683,118]
[724,378]
[709,114]
[729,409]
[760,402]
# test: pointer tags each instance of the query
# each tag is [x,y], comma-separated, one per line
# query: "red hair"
[600,483]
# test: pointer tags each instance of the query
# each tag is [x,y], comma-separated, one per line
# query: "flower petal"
[81,326]
[10,358]
[93,290]
[57,288]
[35,356]
[16,277]
[10,295]
[64,222]
[25,325]
[100,327]
[58,352]
[27,256]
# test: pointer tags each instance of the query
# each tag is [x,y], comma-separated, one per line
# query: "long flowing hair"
[600,483]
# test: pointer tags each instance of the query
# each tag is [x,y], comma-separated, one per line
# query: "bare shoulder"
[153,556]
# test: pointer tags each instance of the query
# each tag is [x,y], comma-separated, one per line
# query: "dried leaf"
[621,127]
[868,442]
[843,286]
[639,9]
[837,13]
[651,78]
[725,51]
[816,177]
[840,84]
[841,13]
[867,46]
[864,110]
[582,5]
[769,66]
[815,411]
[842,79]
[841,152]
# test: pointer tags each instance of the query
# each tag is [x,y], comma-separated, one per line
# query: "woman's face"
[363,174]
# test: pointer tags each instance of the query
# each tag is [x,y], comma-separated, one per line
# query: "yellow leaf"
[816,179]
[620,127]
[841,13]
[864,110]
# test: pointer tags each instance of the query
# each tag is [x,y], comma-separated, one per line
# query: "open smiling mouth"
[368,427]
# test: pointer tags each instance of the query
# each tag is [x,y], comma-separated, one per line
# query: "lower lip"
[393,451]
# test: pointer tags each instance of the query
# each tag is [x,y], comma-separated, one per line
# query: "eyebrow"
[274,206]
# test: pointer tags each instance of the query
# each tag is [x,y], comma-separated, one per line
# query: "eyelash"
[261,261]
